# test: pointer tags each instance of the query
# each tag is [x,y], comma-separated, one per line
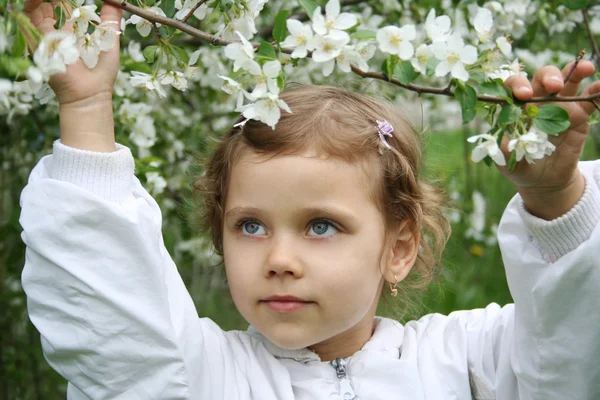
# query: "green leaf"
[594,118]
[575,4]
[149,53]
[493,88]
[467,98]
[432,64]
[309,6]
[13,67]
[364,34]
[280,82]
[405,72]
[59,14]
[19,44]
[512,161]
[266,52]
[168,6]
[181,54]
[279,28]
[389,65]
[552,119]
[509,114]
[131,65]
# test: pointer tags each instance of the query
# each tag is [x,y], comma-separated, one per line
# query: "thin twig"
[158,34]
[215,41]
[586,20]
[192,11]
[573,67]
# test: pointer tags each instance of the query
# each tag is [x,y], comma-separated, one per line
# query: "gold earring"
[393,288]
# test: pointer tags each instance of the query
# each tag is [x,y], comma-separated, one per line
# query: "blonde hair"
[343,125]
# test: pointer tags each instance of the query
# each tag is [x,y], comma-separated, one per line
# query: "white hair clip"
[385,129]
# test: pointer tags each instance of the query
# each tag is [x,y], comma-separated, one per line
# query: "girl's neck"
[346,343]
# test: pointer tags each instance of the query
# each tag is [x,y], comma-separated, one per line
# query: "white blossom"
[135,51]
[200,12]
[147,82]
[266,80]
[104,35]
[437,28]
[300,38]
[329,46]
[175,79]
[486,146]
[333,20]
[143,133]
[483,24]
[55,51]
[233,87]
[88,50]
[422,56]
[507,70]
[81,17]
[142,25]
[504,46]
[394,40]
[156,182]
[477,217]
[242,54]
[534,145]
[453,56]
[5,40]
[266,110]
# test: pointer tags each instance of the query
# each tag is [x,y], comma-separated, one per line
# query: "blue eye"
[322,228]
[251,227]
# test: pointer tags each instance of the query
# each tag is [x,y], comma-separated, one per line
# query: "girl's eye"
[251,228]
[322,228]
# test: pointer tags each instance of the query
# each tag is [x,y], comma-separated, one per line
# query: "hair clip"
[385,129]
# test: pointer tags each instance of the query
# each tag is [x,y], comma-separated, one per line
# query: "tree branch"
[586,20]
[192,11]
[152,17]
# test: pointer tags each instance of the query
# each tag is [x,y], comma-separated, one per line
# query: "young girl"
[314,220]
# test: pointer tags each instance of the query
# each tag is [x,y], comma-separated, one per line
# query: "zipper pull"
[346,391]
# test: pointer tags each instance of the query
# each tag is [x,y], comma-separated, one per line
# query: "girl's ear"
[402,253]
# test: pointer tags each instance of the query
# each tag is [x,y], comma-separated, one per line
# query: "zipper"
[346,391]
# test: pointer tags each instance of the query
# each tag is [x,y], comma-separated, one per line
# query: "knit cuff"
[565,233]
[107,175]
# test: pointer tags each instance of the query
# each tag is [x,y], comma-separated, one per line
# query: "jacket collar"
[387,338]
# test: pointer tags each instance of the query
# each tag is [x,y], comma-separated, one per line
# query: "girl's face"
[306,227]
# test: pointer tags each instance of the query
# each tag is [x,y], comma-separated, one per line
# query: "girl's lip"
[285,298]
[286,306]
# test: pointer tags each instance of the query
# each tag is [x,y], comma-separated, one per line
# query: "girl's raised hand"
[80,85]
[553,185]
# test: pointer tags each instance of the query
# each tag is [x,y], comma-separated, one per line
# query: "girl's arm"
[114,316]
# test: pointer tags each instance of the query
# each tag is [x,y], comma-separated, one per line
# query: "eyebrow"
[332,212]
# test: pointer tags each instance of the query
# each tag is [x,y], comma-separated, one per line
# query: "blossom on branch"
[55,51]
[81,17]
[329,46]
[487,145]
[266,79]
[534,145]
[300,38]
[437,28]
[266,110]
[147,82]
[333,21]
[142,25]
[242,54]
[394,40]
[453,56]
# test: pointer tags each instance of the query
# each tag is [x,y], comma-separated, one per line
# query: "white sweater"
[118,323]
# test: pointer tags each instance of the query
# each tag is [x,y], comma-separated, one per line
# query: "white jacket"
[117,322]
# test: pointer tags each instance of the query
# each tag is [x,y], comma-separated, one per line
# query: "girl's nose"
[283,259]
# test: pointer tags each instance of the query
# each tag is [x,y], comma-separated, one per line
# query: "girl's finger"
[111,15]
[520,87]
[547,80]
[584,69]
[587,106]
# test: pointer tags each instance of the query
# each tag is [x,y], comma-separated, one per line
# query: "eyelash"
[240,224]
